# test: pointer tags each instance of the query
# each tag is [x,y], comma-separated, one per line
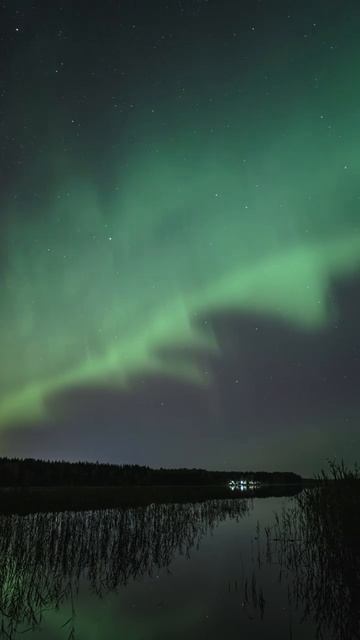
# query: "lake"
[230,568]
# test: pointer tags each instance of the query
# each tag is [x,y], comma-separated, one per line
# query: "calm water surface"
[205,570]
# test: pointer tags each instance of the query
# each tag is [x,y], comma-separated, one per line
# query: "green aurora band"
[247,216]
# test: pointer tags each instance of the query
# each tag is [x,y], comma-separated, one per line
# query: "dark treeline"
[29,472]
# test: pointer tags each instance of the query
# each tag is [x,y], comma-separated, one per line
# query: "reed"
[316,542]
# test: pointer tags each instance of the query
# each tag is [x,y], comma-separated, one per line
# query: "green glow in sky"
[255,216]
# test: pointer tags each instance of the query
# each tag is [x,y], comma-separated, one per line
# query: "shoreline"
[23,500]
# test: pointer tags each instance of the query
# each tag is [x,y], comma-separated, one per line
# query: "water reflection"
[45,556]
[295,574]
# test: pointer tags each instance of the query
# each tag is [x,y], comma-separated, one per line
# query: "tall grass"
[317,544]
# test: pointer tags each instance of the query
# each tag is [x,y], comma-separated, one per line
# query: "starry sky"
[180,232]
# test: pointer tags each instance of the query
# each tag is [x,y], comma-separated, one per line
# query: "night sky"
[180,232]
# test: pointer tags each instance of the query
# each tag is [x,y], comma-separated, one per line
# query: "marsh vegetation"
[315,543]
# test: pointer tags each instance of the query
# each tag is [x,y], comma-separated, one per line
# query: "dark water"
[199,571]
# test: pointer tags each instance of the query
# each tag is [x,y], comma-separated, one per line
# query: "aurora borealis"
[180,232]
